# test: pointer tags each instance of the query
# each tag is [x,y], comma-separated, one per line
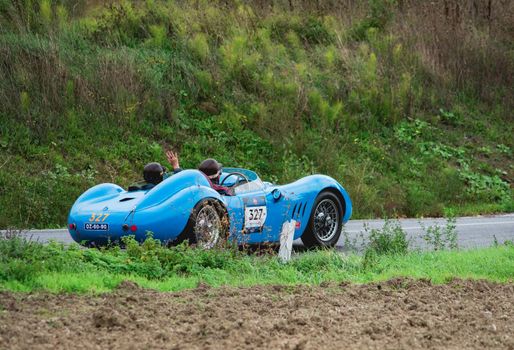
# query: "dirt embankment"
[395,314]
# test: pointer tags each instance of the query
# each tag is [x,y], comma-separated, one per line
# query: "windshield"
[251,175]
[251,186]
[254,184]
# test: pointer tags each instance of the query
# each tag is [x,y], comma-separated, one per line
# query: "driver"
[212,169]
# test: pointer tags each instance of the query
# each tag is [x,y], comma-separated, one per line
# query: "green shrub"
[379,13]
[441,238]
[200,46]
[390,240]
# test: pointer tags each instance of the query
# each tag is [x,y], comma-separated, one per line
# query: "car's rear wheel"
[207,226]
[325,223]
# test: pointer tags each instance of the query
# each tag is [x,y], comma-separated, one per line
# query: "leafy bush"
[390,240]
[441,238]
[486,187]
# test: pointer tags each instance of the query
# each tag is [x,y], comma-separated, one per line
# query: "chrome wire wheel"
[326,220]
[207,227]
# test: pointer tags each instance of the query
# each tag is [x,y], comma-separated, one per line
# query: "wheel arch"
[343,197]
[309,236]
[218,204]
[338,194]
[220,208]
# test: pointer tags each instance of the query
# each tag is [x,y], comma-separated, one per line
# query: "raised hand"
[173,159]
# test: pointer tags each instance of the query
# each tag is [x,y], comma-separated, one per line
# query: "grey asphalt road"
[472,232]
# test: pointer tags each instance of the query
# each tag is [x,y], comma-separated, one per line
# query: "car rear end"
[103,220]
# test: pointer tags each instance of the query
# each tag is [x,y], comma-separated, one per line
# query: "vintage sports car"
[186,207]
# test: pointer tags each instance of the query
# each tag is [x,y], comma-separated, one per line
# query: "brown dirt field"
[396,314]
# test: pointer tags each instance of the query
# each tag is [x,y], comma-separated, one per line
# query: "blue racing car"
[185,206]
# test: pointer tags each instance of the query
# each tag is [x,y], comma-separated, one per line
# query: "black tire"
[200,233]
[323,230]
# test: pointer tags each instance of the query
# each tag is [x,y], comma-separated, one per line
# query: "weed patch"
[441,238]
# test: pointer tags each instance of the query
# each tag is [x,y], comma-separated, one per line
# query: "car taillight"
[133,228]
[72,226]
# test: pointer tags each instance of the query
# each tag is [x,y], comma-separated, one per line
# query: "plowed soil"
[395,314]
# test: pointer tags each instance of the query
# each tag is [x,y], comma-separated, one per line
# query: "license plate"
[96,227]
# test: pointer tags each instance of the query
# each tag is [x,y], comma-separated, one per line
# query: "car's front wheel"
[325,223]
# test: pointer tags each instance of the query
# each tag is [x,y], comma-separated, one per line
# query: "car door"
[255,216]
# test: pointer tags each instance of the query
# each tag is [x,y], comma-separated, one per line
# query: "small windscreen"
[251,175]
[252,186]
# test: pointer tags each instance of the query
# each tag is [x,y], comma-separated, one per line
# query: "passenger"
[154,173]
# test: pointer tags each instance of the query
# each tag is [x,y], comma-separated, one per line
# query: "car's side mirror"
[276,194]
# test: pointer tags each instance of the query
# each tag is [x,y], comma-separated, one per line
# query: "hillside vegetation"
[408,103]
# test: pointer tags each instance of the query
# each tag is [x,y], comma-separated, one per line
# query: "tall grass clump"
[390,240]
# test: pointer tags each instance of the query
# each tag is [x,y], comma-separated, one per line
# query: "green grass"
[152,266]
[482,208]
[495,264]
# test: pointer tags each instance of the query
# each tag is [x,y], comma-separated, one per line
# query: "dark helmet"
[153,173]
[211,168]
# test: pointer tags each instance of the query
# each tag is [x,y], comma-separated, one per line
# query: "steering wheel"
[242,178]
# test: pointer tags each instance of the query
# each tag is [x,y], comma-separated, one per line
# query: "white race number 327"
[255,216]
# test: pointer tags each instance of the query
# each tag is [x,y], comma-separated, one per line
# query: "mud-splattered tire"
[325,222]
[207,226]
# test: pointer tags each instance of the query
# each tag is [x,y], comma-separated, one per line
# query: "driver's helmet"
[211,168]
[153,173]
